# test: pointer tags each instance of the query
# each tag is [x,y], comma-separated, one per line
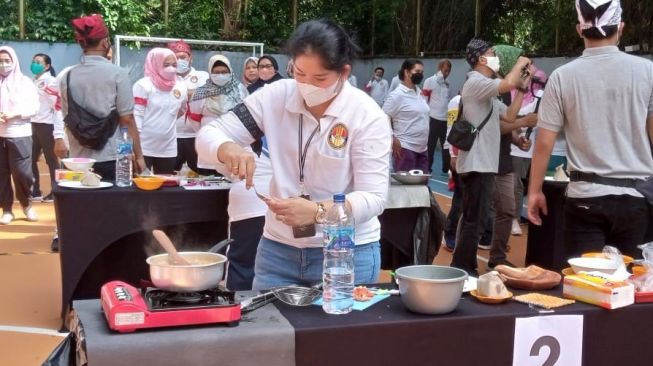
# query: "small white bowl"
[589,264]
[78,164]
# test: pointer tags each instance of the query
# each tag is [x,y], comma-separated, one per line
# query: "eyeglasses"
[268,66]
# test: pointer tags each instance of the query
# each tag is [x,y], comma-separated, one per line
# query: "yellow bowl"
[149,183]
[627,259]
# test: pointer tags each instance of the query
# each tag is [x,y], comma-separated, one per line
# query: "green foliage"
[380,27]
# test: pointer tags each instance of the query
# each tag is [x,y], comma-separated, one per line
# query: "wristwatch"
[320,215]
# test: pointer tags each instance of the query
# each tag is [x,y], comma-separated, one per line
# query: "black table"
[105,234]
[545,245]
[475,333]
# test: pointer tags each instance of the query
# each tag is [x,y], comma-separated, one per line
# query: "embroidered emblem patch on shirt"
[176,93]
[193,79]
[41,84]
[338,136]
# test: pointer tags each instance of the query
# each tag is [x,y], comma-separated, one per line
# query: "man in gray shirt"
[478,166]
[603,102]
[99,87]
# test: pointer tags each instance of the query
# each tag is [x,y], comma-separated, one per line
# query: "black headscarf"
[260,82]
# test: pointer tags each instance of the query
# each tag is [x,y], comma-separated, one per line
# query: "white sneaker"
[516,229]
[30,214]
[6,218]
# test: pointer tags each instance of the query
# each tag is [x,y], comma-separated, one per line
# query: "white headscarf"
[612,15]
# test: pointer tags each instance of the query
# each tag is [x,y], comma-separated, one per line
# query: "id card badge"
[305,231]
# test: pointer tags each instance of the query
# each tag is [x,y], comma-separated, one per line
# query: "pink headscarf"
[14,87]
[163,79]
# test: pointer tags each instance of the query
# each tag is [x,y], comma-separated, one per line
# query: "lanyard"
[303,151]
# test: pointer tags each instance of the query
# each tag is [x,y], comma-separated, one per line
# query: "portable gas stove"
[128,308]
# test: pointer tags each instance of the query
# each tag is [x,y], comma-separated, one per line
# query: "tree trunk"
[21,18]
[418,21]
[294,10]
[166,12]
[373,28]
[477,21]
[231,16]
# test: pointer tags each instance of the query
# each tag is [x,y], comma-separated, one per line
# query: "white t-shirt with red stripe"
[155,112]
[186,128]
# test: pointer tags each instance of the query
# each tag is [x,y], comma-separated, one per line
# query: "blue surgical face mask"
[183,66]
[220,79]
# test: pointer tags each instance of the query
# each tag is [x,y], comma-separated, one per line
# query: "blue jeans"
[279,264]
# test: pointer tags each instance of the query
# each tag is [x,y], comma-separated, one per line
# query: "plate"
[79,185]
[626,258]
[490,300]
[470,284]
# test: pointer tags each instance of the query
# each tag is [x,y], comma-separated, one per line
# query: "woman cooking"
[327,137]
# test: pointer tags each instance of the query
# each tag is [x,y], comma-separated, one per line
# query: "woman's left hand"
[294,211]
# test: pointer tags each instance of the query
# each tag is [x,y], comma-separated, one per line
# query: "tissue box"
[67,175]
[598,290]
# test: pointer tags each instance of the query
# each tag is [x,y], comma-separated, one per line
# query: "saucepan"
[414,176]
[186,271]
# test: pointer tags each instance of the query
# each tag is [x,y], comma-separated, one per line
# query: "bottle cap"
[340,197]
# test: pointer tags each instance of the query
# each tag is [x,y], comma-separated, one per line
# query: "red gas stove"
[128,308]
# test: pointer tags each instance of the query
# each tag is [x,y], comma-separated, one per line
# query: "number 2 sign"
[555,340]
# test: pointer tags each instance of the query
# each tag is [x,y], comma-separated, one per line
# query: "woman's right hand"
[396,148]
[239,162]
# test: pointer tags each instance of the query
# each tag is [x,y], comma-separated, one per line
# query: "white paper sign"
[548,341]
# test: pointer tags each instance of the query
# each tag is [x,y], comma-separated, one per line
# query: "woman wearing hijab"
[250,71]
[158,101]
[268,72]
[221,92]
[19,101]
[43,121]
[246,211]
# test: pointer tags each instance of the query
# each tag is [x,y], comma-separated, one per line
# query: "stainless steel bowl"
[411,177]
[205,271]
[430,289]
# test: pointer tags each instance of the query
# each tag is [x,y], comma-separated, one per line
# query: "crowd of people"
[350,139]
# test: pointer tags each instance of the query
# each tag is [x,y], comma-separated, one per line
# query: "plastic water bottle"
[338,272]
[124,160]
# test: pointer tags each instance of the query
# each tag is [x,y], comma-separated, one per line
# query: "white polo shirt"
[49,104]
[436,90]
[155,112]
[349,153]
[378,90]
[410,117]
[193,80]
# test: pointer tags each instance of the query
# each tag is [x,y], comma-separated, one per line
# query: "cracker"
[545,301]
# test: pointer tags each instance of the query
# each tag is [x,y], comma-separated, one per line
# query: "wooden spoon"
[174,257]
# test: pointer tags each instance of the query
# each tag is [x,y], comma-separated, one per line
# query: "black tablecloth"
[545,245]
[105,234]
[388,334]
[474,334]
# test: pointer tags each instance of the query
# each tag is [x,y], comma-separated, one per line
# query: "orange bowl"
[639,270]
[627,259]
[149,183]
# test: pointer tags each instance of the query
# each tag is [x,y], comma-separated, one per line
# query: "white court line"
[439,181]
[32,330]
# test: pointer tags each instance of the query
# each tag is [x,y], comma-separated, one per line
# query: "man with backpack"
[101,94]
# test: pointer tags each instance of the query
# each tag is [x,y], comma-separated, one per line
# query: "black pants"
[106,169]
[438,132]
[619,221]
[456,207]
[242,252]
[16,163]
[42,141]
[477,200]
[160,165]
[186,153]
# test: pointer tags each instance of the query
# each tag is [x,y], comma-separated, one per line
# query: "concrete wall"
[63,55]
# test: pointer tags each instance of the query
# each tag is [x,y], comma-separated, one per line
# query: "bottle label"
[337,239]
[124,148]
